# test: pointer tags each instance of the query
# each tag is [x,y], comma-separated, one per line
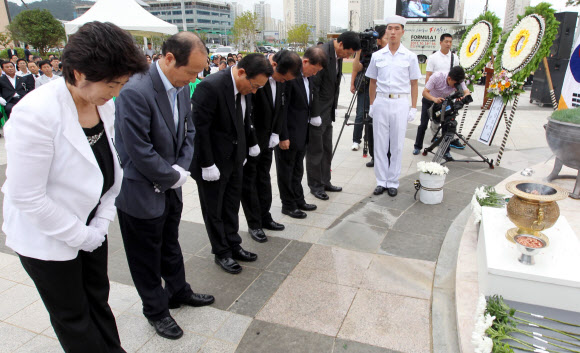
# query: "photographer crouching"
[440,84]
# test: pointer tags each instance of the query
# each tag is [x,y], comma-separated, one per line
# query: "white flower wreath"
[475,45]
[523,43]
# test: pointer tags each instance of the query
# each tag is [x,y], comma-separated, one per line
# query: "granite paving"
[361,274]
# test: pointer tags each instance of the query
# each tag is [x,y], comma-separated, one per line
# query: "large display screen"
[426,8]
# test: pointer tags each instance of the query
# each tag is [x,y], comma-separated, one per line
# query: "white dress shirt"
[172,93]
[307,87]
[243,98]
[439,62]
[394,72]
[273,87]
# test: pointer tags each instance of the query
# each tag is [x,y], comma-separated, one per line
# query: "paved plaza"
[361,274]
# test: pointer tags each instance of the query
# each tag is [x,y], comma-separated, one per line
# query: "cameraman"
[357,75]
[440,85]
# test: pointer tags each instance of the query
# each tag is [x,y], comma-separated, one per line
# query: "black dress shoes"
[371,163]
[243,255]
[332,188]
[167,328]
[392,192]
[258,235]
[294,213]
[307,207]
[195,299]
[271,225]
[379,190]
[229,265]
[320,195]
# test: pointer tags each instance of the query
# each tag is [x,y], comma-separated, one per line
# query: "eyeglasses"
[253,85]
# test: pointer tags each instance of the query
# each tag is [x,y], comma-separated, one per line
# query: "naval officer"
[394,73]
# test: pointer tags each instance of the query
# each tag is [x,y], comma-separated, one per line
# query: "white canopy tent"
[127,14]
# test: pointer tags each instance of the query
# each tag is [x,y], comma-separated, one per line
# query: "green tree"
[299,34]
[572,2]
[244,30]
[5,39]
[38,28]
[202,35]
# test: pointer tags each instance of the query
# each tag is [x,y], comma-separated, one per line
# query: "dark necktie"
[239,113]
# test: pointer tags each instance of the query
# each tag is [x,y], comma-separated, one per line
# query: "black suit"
[149,143]
[221,140]
[23,85]
[26,54]
[319,153]
[290,162]
[11,53]
[268,118]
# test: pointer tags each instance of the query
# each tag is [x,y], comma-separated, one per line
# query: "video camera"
[451,106]
[368,45]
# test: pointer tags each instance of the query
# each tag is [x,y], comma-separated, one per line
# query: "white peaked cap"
[396,19]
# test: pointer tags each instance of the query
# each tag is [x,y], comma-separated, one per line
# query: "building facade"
[363,13]
[513,8]
[237,9]
[265,21]
[314,13]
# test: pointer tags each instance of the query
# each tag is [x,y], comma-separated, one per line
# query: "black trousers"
[220,205]
[319,155]
[290,170]
[153,252]
[75,294]
[424,123]
[257,189]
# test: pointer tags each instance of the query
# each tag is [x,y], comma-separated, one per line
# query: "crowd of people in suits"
[71,170]
[19,76]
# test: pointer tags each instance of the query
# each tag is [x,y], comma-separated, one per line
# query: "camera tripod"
[443,145]
[367,121]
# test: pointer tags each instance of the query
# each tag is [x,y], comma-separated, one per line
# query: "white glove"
[101,224]
[254,151]
[371,112]
[245,160]
[183,174]
[2,101]
[316,121]
[412,114]
[274,140]
[210,173]
[95,238]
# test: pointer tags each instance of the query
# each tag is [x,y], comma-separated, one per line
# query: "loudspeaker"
[540,88]
[565,38]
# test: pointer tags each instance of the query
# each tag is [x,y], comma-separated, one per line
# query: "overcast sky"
[339,8]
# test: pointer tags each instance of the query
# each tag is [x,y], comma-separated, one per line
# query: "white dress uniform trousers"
[391,109]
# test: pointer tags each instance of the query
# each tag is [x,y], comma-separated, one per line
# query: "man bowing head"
[154,137]
[222,115]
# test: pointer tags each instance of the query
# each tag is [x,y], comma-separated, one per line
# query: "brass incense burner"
[533,208]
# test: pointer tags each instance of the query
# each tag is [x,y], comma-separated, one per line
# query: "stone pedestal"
[554,281]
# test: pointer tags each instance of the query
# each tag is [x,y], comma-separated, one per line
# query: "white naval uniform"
[393,74]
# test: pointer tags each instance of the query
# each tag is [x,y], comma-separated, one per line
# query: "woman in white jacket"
[63,175]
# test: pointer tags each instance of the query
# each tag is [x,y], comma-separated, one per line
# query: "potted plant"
[563,135]
[431,181]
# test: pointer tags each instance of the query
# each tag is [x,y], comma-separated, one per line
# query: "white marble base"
[554,280]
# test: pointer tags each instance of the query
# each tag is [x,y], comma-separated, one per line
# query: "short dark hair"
[288,61]
[231,60]
[19,60]
[6,62]
[43,62]
[316,56]
[12,57]
[54,58]
[445,35]
[181,45]
[223,62]
[349,40]
[381,30]
[457,74]
[147,56]
[319,43]
[36,57]
[31,62]
[256,64]
[102,51]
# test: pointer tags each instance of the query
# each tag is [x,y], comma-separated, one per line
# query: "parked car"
[271,49]
[264,50]
[224,51]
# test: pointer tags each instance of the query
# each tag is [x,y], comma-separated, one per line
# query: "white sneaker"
[354,146]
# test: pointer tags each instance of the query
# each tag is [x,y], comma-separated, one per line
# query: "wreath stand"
[509,121]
